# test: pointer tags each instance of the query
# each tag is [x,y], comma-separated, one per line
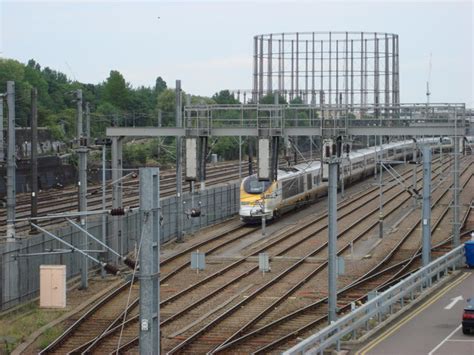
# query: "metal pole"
[79,113]
[414,174]
[342,180]
[11,163]
[240,158]
[426,211]
[34,154]
[441,158]
[104,201]
[160,114]
[297,72]
[260,71]
[332,240]
[269,65]
[202,159]
[88,122]
[179,187]
[150,261]
[381,190]
[330,71]
[361,70]
[82,154]
[255,69]
[456,223]
[263,225]
[2,152]
[192,205]
[381,202]
[116,193]
[10,282]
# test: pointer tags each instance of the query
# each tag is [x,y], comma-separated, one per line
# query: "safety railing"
[379,307]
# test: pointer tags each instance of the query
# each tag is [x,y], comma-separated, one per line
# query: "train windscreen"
[253,186]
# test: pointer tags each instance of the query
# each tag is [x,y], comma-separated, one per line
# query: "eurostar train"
[303,183]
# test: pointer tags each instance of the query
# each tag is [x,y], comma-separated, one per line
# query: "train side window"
[290,188]
[301,184]
[309,182]
[316,180]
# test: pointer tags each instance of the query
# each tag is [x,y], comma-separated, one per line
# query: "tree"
[297,101]
[269,99]
[166,101]
[116,91]
[160,85]
[225,97]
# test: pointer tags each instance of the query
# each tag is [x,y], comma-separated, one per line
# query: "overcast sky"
[208,45]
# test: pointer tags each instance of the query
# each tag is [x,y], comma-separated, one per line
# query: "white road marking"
[453,302]
[444,340]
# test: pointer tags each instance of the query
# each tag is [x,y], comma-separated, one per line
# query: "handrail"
[379,306]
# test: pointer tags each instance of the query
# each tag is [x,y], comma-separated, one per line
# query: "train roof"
[298,169]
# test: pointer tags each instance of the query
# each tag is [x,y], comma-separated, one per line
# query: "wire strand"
[131,286]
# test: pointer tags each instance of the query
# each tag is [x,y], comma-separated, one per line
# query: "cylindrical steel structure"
[337,68]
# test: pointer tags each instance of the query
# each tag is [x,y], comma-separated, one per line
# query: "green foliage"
[166,100]
[56,107]
[160,85]
[269,99]
[19,324]
[201,100]
[111,101]
[116,90]
[225,97]
[49,336]
[297,101]
[136,154]
[149,151]
[227,148]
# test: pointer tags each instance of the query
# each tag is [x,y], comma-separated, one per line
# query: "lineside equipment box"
[53,286]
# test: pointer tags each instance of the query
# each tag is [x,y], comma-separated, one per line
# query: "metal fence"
[19,272]
[380,307]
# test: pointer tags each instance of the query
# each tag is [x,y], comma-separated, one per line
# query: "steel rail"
[282,298]
[342,309]
[172,298]
[114,293]
[194,246]
[320,267]
[252,296]
[369,275]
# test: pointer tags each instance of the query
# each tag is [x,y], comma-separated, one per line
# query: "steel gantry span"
[256,120]
[270,123]
[331,123]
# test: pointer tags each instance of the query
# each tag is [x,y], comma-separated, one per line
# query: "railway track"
[86,328]
[67,201]
[305,320]
[131,322]
[271,295]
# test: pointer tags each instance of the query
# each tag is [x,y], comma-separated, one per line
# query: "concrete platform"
[433,328]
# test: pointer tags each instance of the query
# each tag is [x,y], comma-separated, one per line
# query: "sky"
[208,45]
